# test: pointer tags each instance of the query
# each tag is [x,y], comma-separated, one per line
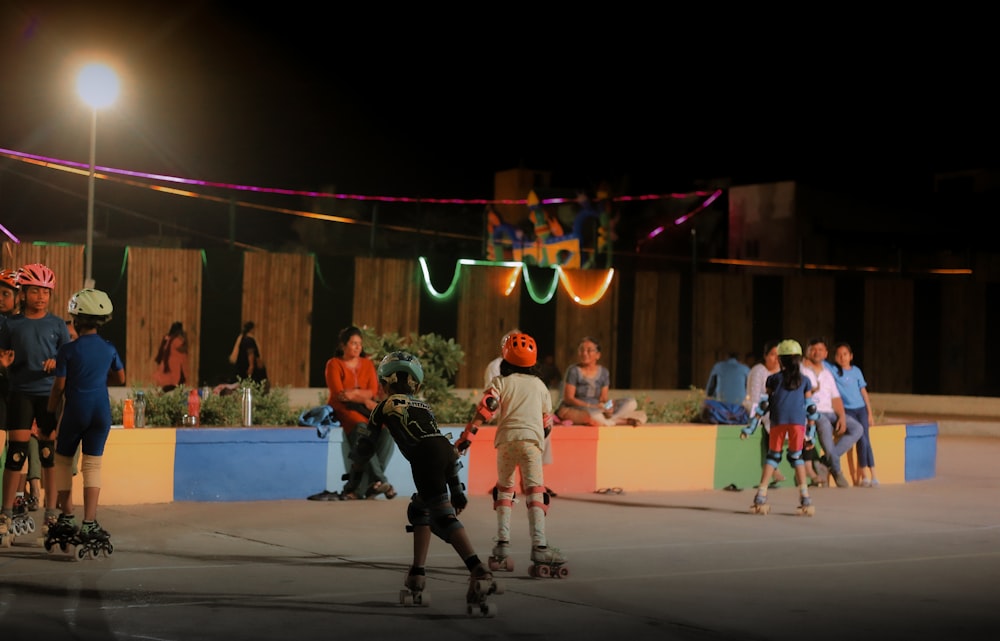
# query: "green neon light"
[450,291]
[531,288]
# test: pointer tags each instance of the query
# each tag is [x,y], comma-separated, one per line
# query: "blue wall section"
[263,464]
[921,451]
[248,464]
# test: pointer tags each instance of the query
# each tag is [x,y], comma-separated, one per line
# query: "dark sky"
[416,104]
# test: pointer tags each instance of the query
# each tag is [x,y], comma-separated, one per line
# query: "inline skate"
[94,541]
[21,523]
[62,536]
[6,536]
[547,562]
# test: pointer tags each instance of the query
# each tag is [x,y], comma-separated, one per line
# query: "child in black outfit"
[434,465]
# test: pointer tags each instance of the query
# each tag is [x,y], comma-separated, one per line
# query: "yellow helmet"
[789,347]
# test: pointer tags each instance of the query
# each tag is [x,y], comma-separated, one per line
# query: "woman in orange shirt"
[354,388]
[172,359]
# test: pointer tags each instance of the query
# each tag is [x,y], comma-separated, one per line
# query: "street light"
[97,84]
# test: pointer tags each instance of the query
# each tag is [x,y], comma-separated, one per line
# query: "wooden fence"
[673,326]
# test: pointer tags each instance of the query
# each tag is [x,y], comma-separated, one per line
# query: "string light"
[559,276]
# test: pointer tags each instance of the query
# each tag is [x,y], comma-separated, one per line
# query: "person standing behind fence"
[172,359]
[854,393]
[246,356]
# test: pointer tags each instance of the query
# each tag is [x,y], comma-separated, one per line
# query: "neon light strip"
[9,235]
[597,296]
[48,162]
[541,300]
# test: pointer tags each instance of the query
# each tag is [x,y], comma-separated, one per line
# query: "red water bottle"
[194,408]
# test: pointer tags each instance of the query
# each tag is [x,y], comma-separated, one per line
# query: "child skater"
[434,466]
[787,391]
[523,407]
[83,368]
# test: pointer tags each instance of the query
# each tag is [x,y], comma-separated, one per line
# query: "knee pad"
[795,458]
[503,496]
[17,455]
[538,497]
[90,469]
[63,473]
[417,513]
[47,452]
[773,458]
[444,521]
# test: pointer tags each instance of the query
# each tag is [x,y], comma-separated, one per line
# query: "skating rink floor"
[913,561]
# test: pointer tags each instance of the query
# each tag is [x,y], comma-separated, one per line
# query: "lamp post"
[97,84]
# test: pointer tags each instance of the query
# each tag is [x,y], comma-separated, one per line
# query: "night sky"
[424,105]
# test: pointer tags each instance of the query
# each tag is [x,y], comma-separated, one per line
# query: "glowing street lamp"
[98,85]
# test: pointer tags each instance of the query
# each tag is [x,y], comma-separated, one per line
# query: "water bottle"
[128,415]
[140,409]
[247,407]
[194,408]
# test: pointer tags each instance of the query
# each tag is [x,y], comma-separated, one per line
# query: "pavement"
[908,561]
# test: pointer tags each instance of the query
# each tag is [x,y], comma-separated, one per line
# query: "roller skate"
[21,523]
[806,507]
[500,559]
[414,593]
[94,541]
[6,536]
[547,562]
[481,586]
[61,536]
[760,505]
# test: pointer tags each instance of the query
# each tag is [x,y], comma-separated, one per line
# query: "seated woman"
[354,390]
[585,393]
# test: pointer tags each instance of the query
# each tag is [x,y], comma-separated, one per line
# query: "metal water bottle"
[247,407]
[139,409]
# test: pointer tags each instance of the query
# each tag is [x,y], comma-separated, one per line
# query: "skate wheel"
[563,573]
[424,598]
[509,564]
[807,511]
[497,588]
[81,553]
[405,597]
[63,546]
[489,609]
[544,571]
[47,544]
[494,564]
[30,525]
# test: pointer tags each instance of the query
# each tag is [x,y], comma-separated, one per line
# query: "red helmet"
[8,278]
[520,350]
[37,275]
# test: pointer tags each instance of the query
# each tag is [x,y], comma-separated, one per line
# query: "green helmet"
[395,362]
[789,347]
[92,302]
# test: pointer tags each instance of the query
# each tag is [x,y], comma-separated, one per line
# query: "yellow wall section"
[675,457]
[137,467]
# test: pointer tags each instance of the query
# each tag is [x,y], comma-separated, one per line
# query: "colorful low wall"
[160,465]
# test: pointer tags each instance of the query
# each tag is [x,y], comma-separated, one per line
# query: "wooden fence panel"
[723,320]
[387,295]
[164,286]
[809,303]
[485,313]
[656,331]
[599,320]
[963,322]
[889,335]
[277,297]
[66,261]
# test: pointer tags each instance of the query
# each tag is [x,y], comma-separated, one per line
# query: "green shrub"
[167,409]
[686,410]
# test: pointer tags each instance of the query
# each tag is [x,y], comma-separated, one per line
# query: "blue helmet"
[395,362]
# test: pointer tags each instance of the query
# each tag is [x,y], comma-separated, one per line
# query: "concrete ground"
[913,561]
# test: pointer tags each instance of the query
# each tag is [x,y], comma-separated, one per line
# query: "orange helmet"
[8,278]
[520,350]
[37,275]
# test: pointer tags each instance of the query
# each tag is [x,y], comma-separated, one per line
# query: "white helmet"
[92,302]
